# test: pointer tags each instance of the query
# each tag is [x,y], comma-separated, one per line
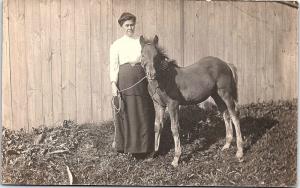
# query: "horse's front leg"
[173,110]
[159,114]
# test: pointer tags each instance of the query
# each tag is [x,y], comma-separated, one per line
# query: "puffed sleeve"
[114,63]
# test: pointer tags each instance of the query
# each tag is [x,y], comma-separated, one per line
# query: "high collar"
[129,38]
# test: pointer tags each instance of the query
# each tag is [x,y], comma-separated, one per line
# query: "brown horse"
[171,86]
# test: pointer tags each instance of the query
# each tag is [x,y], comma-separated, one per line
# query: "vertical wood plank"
[68,59]
[228,32]
[248,42]
[241,52]
[295,56]
[33,59]
[195,26]
[148,18]
[7,116]
[236,27]
[177,45]
[260,52]
[249,64]
[277,70]
[181,21]
[200,27]
[219,29]
[269,58]
[288,52]
[18,63]
[83,69]
[96,55]
[210,28]
[46,61]
[170,38]
[285,53]
[139,8]
[56,62]
[107,22]
[248,45]
[160,22]
[167,26]
[189,35]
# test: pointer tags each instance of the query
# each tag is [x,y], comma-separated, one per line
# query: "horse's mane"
[162,52]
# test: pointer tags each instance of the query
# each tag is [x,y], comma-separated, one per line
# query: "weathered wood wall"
[55,52]
[260,38]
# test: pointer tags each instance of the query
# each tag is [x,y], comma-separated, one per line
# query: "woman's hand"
[114,89]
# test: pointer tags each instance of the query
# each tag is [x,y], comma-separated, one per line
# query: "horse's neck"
[167,85]
[166,75]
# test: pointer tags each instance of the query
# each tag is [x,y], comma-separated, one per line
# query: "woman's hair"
[126,16]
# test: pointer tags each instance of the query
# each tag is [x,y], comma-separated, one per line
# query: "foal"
[171,86]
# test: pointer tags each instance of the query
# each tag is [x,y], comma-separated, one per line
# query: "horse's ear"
[142,41]
[155,40]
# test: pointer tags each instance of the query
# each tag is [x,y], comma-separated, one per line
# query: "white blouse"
[123,50]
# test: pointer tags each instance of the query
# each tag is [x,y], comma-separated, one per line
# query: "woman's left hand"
[114,89]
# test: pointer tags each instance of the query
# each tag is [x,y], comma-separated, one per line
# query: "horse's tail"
[234,85]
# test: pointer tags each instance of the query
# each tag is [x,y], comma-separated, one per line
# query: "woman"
[135,120]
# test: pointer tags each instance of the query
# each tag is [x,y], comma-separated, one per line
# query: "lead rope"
[119,96]
[116,109]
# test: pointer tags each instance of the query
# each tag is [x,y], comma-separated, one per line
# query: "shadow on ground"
[198,126]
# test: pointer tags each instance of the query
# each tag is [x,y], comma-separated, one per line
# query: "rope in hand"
[116,109]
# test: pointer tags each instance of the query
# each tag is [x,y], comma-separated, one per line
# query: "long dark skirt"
[135,121]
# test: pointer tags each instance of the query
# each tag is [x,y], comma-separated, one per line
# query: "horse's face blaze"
[149,60]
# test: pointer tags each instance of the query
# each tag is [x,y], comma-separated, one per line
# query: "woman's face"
[128,27]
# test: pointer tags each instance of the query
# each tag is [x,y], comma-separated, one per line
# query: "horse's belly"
[194,95]
[195,87]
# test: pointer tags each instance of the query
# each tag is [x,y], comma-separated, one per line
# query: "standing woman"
[135,120]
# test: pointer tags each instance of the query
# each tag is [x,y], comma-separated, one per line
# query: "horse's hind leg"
[229,132]
[228,99]
[228,124]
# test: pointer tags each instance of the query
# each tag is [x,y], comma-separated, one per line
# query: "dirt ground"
[82,154]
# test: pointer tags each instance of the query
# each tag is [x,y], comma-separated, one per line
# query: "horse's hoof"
[226,146]
[149,159]
[175,164]
[113,145]
[153,154]
[239,154]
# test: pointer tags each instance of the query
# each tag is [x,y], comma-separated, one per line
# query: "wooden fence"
[55,52]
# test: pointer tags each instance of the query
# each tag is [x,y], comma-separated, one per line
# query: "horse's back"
[209,65]
[198,80]
[210,61]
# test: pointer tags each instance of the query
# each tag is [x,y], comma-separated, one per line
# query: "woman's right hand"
[114,89]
